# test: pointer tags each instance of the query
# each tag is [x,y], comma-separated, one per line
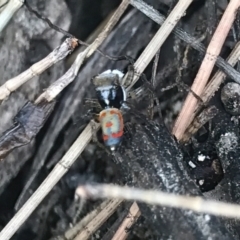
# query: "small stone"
[230,96]
[201,158]
[191,164]
[201,182]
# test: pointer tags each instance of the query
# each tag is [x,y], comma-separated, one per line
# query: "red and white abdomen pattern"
[111,121]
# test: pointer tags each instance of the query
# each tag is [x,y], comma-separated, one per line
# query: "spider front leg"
[149,86]
[95,109]
[130,75]
[94,127]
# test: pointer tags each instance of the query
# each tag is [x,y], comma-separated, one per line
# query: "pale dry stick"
[99,220]
[72,232]
[158,39]
[89,40]
[154,197]
[213,50]
[55,56]
[55,175]
[132,216]
[3,4]
[53,90]
[187,38]
[9,11]
[109,26]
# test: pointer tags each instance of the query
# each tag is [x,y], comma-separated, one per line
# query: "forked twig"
[55,56]
[54,89]
[213,50]
[154,197]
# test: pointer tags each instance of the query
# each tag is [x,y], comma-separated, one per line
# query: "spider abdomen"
[111,121]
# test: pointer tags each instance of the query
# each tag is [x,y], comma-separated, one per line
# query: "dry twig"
[53,90]
[158,39]
[205,116]
[55,56]
[99,220]
[130,219]
[154,197]
[72,232]
[213,50]
[56,174]
[109,26]
[9,11]
[213,86]
[219,77]
[3,4]
[187,38]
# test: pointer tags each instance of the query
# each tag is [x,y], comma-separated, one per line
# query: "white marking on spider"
[115,71]
[106,72]
[119,73]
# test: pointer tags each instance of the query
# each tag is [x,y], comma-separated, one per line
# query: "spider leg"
[130,75]
[95,138]
[93,103]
